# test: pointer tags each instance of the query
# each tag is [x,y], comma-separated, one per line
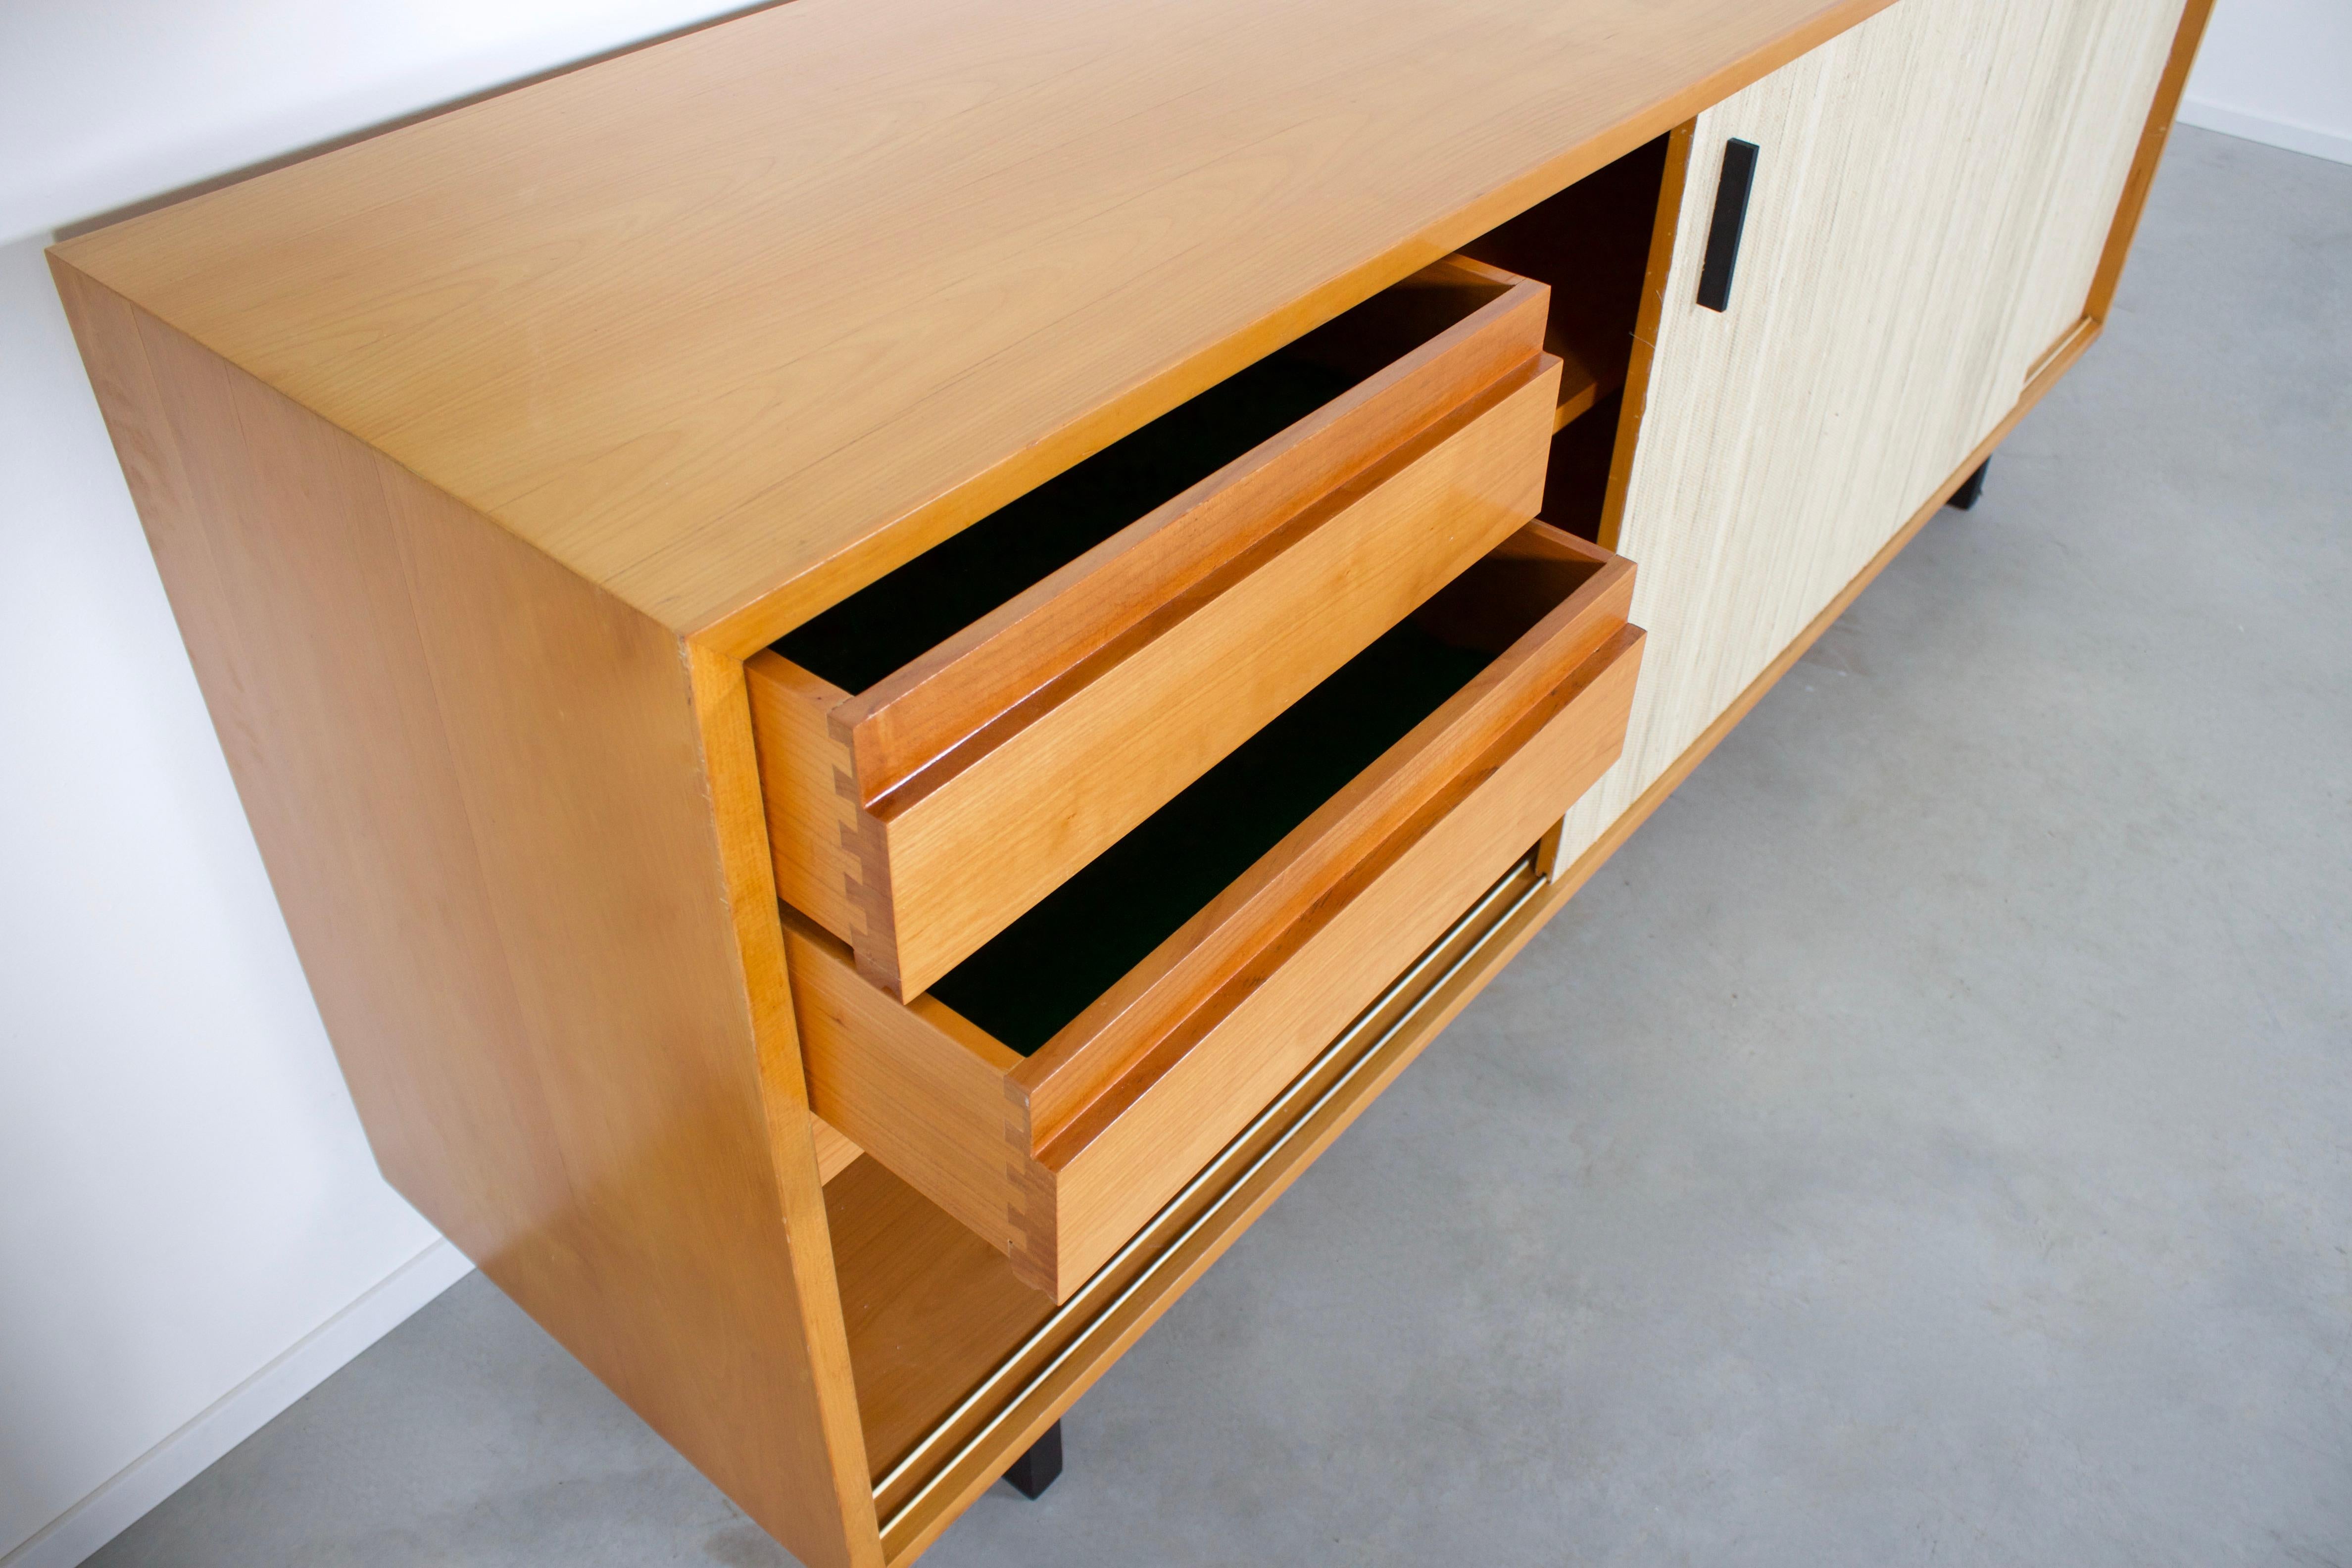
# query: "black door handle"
[1731,218]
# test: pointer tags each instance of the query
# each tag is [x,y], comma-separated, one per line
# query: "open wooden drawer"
[941,750]
[1056,1087]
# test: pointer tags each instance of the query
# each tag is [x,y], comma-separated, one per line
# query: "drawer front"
[1006,830]
[1113,1170]
[918,819]
[1058,1157]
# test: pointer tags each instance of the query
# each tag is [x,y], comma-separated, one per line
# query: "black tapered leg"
[1034,1471]
[1971,488]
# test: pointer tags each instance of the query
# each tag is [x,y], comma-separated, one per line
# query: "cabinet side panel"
[478,786]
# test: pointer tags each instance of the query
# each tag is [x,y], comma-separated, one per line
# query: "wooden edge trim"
[1664,228]
[771,611]
[723,714]
[2068,348]
[2152,138]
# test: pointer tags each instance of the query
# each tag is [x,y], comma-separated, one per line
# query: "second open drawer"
[941,751]
[1058,1086]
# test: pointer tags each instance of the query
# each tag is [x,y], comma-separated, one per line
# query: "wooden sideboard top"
[733,324]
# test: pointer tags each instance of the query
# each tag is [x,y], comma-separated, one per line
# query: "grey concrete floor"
[1928,1141]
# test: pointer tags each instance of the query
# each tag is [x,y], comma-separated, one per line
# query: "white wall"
[183,1191]
[2278,72]
[192,1233]
[104,103]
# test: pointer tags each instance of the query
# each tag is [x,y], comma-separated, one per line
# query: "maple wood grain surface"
[733,325]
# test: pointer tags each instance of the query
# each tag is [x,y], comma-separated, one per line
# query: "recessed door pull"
[1731,218]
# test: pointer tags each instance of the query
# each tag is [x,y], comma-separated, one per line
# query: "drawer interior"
[1039,976]
[861,640]
[1040,972]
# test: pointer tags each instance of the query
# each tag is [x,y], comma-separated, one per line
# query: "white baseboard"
[238,1414]
[2329,144]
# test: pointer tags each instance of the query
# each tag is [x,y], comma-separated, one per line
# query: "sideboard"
[889,655]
